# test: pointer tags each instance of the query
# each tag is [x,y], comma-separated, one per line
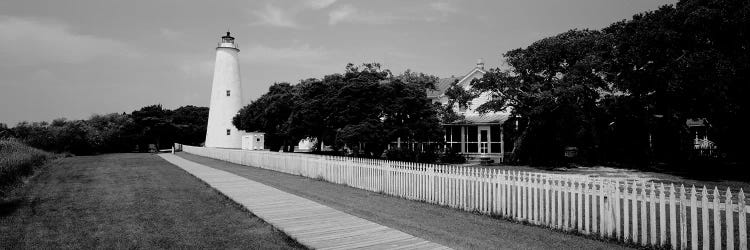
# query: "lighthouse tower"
[226,97]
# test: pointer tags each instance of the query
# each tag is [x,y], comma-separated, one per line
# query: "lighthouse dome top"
[227,41]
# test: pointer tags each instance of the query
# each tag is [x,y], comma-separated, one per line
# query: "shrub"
[411,155]
[452,157]
[18,160]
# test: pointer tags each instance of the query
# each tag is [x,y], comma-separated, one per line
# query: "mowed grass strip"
[128,201]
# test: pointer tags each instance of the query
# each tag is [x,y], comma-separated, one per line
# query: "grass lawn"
[127,201]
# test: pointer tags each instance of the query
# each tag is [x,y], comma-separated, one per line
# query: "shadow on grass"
[8,207]
[704,170]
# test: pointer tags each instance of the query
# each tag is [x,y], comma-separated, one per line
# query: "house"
[477,134]
[702,146]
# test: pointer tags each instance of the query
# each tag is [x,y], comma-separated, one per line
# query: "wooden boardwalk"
[310,223]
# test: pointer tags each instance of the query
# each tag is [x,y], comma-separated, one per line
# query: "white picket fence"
[644,213]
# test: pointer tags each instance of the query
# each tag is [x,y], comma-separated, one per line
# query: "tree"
[270,114]
[686,61]
[118,132]
[457,95]
[5,132]
[554,85]
[191,122]
[362,109]
[155,125]
[408,113]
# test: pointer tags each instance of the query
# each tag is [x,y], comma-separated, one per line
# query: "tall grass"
[18,160]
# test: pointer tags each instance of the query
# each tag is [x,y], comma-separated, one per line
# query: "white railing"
[639,212]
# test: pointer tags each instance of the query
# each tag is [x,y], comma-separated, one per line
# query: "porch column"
[463,139]
[502,144]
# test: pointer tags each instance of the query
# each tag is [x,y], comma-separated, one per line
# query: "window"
[472,136]
[229,131]
[453,138]
[227,92]
[495,132]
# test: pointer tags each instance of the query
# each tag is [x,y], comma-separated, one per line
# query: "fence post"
[546,200]
[729,208]
[742,220]
[683,218]
[586,207]
[693,219]
[672,217]
[652,212]
[704,216]
[485,191]
[627,211]
[643,215]
[717,218]
[504,192]
[602,214]
[662,217]
[579,208]
[524,197]
[538,200]
[497,192]
[432,195]
[617,204]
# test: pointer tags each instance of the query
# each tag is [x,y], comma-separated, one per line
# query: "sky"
[76,58]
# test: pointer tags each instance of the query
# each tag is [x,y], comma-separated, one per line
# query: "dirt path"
[452,228]
[127,201]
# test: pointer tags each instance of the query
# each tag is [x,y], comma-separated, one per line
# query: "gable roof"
[444,83]
[441,86]
[475,70]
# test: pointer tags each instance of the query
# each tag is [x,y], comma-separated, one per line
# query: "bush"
[411,155]
[18,160]
[451,157]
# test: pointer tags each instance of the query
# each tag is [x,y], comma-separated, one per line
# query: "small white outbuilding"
[253,141]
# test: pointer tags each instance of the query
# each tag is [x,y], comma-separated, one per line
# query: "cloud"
[170,34]
[350,14]
[319,4]
[302,55]
[296,54]
[31,42]
[197,68]
[274,16]
[444,7]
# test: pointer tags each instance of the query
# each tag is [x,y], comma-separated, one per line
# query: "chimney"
[480,63]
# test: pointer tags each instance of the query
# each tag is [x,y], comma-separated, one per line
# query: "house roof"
[474,70]
[441,86]
[444,83]
[700,122]
[489,118]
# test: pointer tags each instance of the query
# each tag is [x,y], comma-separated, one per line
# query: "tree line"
[361,110]
[151,127]
[623,94]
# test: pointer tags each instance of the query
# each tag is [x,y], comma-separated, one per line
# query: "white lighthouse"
[226,97]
